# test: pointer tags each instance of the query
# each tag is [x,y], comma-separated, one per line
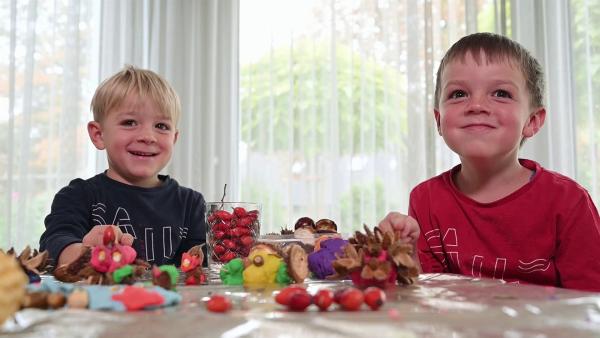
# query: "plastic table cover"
[439,305]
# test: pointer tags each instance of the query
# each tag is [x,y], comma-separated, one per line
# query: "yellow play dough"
[265,273]
[12,286]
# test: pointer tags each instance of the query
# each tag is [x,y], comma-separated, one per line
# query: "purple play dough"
[319,262]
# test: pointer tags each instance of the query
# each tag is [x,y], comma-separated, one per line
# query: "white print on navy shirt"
[123,220]
[450,243]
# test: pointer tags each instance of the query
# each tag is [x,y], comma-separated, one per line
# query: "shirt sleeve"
[578,246]
[67,222]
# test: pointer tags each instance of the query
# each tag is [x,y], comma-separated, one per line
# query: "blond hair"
[145,83]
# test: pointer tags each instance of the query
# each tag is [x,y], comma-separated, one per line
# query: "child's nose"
[478,104]
[146,135]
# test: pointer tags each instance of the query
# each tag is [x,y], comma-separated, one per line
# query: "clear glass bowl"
[232,229]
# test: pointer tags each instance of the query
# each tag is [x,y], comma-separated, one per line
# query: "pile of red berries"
[231,234]
[297,298]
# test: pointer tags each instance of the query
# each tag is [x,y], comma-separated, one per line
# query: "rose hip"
[323,299]
[299,301]
[374,297]
[351,299]
[218,303]
[284,295]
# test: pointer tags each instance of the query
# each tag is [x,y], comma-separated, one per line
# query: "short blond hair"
[142,82]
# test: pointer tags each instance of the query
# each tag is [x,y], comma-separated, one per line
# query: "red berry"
[323,299]
[247,241]
[229,244]
[220,226]
[219,249]
[253,214]
[351,299]
[218,303]
[374,297]
[299,301]
[108,237]
[239,212]
[245,222]
[337,295]
[223,215]
[284,295]
[219,234]
[229,255]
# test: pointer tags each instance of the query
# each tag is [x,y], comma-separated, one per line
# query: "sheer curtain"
[336,98]
[46,79]
[336,103]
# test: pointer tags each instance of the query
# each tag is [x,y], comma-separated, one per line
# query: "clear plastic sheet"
[438,305]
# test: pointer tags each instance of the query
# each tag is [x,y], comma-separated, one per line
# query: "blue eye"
[457,94]
[502,93]
[128,123]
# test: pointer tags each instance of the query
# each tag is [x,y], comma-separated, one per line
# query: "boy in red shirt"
[496,215]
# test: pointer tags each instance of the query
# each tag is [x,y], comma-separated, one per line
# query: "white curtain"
[336,101]
[193,44]
[47,74]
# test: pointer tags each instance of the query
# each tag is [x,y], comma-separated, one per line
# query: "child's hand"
[96,235]
[405,226]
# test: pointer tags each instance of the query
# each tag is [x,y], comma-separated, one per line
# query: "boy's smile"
[138,140]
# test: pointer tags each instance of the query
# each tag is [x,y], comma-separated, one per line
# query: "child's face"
[138,140]
[484,109]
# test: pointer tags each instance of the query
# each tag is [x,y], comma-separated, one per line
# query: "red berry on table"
[218,303]
[351,299]
[374,297]
[284,295]
[299,301]
[337,295]
[239,212]
[323,299]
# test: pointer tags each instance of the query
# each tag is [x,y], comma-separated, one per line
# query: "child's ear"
[534,122]
[95,131]
[436,113]
[176,137]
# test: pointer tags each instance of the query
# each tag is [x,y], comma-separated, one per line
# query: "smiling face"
[138,139]
[484,109]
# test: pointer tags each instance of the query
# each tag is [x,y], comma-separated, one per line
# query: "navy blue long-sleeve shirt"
[165,221]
